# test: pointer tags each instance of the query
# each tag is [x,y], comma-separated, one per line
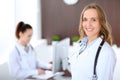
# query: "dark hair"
[21,27]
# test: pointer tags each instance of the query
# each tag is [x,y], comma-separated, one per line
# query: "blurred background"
[49,18]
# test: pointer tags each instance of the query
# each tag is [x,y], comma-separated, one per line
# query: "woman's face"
[91,24]
[26,36]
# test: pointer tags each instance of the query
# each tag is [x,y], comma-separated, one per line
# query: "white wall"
[7,25]
[29,12]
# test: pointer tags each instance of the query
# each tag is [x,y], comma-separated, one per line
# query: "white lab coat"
[82,65]
[23,64]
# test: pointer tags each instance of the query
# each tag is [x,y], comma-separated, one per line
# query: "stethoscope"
[19,51]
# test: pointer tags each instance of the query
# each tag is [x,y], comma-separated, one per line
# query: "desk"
[62,78]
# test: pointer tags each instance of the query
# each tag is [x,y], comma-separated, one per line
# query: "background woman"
[22,60]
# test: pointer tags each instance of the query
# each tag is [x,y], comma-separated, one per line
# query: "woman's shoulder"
[107,46]
[14,51]
[107,52]
[107,49]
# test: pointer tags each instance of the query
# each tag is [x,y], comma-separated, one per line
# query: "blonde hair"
[105,27]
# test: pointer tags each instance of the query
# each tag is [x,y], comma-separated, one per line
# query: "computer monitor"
[60,55]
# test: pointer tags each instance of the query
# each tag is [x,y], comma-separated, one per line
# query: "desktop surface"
[61,78]
[55,78]
[50,76]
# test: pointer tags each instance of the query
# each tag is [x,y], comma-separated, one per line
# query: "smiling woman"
[91,24]
[94,34]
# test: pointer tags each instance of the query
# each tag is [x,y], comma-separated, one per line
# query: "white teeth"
[89,29]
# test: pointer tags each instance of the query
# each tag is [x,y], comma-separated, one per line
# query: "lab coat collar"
[21,48]
[83,43]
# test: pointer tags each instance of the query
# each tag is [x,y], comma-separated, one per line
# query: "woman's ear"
[20,34]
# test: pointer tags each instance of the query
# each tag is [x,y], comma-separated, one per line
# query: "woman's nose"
[88,23]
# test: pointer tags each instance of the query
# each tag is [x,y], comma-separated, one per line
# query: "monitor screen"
[60,55]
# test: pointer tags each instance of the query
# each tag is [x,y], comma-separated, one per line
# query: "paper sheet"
[47,75]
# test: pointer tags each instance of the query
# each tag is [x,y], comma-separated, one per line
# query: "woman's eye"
[84,19]
[93,19]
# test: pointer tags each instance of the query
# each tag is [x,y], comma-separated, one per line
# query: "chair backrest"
[4,72]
